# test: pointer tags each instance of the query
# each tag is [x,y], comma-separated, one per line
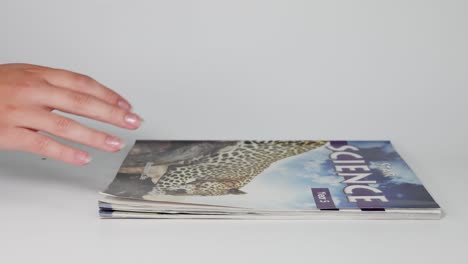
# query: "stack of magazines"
[266,180]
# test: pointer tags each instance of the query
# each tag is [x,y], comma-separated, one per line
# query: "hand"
[29,94]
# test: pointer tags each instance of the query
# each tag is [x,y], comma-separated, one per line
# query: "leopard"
[226,171]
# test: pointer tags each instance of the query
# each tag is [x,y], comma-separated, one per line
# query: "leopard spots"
[229,169]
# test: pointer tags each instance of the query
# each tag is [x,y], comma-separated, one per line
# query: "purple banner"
[338,143]
[323,198]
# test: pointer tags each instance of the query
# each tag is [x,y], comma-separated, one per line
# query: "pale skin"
[29,94]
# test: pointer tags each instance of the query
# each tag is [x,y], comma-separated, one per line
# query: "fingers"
[66,128]
[83,84]
[86,105]
[22,139]
[30,92]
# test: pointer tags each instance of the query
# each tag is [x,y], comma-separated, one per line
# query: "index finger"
[84,84]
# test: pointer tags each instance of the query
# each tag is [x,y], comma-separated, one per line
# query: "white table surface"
[393,70]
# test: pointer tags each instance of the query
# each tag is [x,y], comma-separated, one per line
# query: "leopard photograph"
[205,168]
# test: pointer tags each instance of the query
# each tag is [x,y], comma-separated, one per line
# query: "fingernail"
[132,120]
[82,157]
[124,104]
[114,142]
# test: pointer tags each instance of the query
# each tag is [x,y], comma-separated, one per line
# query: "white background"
[246,69]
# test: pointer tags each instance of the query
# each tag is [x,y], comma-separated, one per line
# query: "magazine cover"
[271,175]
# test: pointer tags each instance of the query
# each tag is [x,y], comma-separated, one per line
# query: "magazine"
[273,179]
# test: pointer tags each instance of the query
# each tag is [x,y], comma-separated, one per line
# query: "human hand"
[29,94]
